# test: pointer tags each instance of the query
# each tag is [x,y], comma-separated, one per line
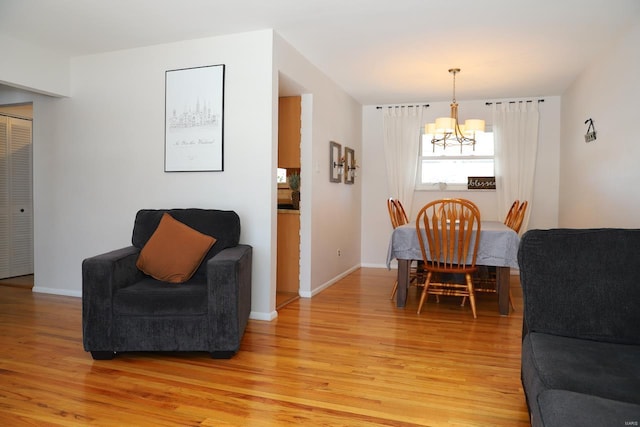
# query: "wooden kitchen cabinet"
[288,265]
[289,122]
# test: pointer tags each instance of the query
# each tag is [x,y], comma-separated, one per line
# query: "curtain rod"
[401,106]
[513,102]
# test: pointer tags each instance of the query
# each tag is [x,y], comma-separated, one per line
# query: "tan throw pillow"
[174,251]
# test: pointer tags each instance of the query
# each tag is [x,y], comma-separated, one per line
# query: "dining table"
[498,247]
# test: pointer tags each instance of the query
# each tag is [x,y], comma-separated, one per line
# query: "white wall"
[33,68]
[45,120]
[99,156]
[330,212]
[599,180]
[376,227]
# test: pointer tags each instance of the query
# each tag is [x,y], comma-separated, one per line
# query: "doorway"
[16,191]
[288,236]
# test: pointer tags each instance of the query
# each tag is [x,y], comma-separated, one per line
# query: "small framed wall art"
[349,165]
[336,163]
[194,119]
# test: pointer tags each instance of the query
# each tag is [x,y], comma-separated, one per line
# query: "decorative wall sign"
[591,131]
[336,162]
[194,119]
[481,183]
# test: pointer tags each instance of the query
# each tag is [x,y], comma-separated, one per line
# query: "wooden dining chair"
[397,213]
[448,232]
[485,280]
[519,217]
[398,217]
[511,215]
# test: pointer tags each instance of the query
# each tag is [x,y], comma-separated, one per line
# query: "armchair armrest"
[229,297]
[101,276]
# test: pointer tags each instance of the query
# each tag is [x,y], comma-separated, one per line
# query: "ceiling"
[378,51]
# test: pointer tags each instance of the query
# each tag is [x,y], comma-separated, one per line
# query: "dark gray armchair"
[124,310]
[581,332]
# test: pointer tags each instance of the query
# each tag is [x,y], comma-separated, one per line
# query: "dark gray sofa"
[125,310]
[581,332]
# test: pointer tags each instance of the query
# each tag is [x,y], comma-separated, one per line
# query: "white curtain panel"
[515,131]
[402,131]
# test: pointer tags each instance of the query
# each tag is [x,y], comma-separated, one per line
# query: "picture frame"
[194,119]
[336,164]
[349,165]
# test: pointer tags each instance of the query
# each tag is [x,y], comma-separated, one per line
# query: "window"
[450,169]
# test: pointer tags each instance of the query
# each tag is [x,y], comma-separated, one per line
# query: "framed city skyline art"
[194,119]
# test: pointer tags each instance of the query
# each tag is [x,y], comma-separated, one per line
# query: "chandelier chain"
[454,86]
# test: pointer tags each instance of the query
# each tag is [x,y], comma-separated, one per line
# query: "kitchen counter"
[284,207]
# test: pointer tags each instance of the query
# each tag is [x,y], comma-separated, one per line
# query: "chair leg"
[423,296]
[395,285]
[513,307]
[395,288]
[472,296]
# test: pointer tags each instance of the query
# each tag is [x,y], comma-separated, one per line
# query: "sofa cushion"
[174,251]
[151,297]
[223,225]
[561,408]
[606,370]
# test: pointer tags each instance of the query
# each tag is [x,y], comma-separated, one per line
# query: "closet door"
[21,197]
[16,205]
[5,228]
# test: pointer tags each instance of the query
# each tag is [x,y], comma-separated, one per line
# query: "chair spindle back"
[397,213]
[451,228]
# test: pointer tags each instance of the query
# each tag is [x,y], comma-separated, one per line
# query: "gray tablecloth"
[498,245]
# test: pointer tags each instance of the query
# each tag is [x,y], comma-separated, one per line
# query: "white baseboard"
[55,291]
[259,315]
[307,294]
[393,266]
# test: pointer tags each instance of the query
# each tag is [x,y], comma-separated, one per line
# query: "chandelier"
[448,132]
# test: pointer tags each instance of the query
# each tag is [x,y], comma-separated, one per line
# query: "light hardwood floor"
[18,281]
[347,357]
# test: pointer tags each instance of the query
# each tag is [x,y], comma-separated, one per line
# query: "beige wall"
[33,68]
[330,213]
[599,180]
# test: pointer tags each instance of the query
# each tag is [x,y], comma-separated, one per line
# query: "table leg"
[403,282]
[502,285]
